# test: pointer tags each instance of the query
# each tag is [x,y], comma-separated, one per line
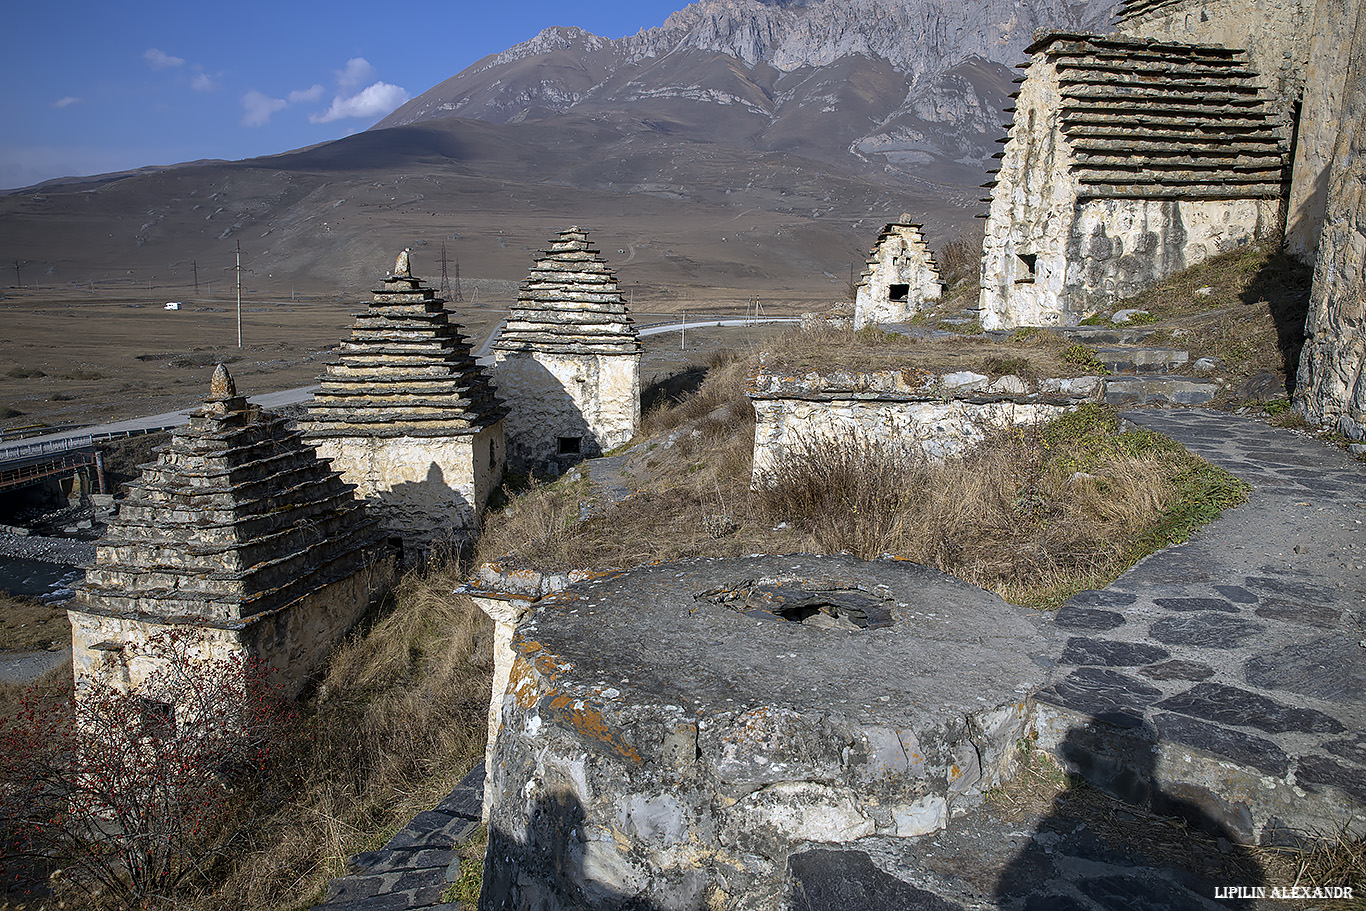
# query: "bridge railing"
[46,448]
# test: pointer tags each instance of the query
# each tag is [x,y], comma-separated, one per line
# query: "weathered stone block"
[684,774]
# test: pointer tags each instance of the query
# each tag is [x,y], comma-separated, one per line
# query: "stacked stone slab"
[568,361]
[1127,160]
[1274,33]
[407,415]
[238,533]
[900,277]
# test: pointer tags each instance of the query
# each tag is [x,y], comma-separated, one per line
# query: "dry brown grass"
[1338,859]
[1251,315]
[27,624]
[827,349]
[960,268]
[690,493]
[1035,514]
[53,687]
[398,719]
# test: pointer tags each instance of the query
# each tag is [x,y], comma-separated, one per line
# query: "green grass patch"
[1079,355]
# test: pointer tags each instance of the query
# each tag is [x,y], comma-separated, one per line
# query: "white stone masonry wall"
[1025,247]
[1050,258]
[423,488]
[1325,83]
[1118,247]
[595,397]
[936,429]
[291,642]
[901,259]
[1332,378]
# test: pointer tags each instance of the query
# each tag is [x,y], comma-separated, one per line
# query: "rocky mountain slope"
[915,86]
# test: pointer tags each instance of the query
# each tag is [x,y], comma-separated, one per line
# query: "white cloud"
[160,60]
[259,107]
[67,102]
[309,94]
[357,71]
[203,82]
[374,101]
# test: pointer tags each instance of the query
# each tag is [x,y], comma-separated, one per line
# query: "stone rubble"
[66,551]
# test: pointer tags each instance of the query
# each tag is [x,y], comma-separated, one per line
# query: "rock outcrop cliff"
[910,84]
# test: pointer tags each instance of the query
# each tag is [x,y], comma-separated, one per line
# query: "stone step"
[1143,360]
[415,868]
[1158,390]
[1107,335]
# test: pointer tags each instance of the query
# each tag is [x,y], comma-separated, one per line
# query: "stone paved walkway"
[416,867]
[1246,643]
[1240,654]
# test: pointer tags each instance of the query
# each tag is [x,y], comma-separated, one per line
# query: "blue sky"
[92,87]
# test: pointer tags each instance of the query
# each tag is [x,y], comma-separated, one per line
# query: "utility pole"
[459,295]
[445,279]
[18,278]
[194,264]
[239,294]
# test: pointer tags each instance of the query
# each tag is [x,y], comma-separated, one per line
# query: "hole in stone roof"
[823,605]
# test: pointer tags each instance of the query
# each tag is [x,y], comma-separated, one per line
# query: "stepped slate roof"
[238,517]
[570,304]
[1134,9]
[1161,120]
[406,370]
[911,235]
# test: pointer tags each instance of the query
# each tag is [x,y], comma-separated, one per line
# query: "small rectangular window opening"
[1027,261]
[569,445]
[493,462]
[898,292]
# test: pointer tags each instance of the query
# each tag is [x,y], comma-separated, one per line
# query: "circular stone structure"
[671,733]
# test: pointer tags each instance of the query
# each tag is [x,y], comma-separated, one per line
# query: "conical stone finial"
[403,267]
[221,387]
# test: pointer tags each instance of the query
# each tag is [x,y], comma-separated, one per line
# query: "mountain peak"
[900,84]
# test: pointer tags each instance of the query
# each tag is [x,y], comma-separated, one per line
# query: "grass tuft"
[395,723]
